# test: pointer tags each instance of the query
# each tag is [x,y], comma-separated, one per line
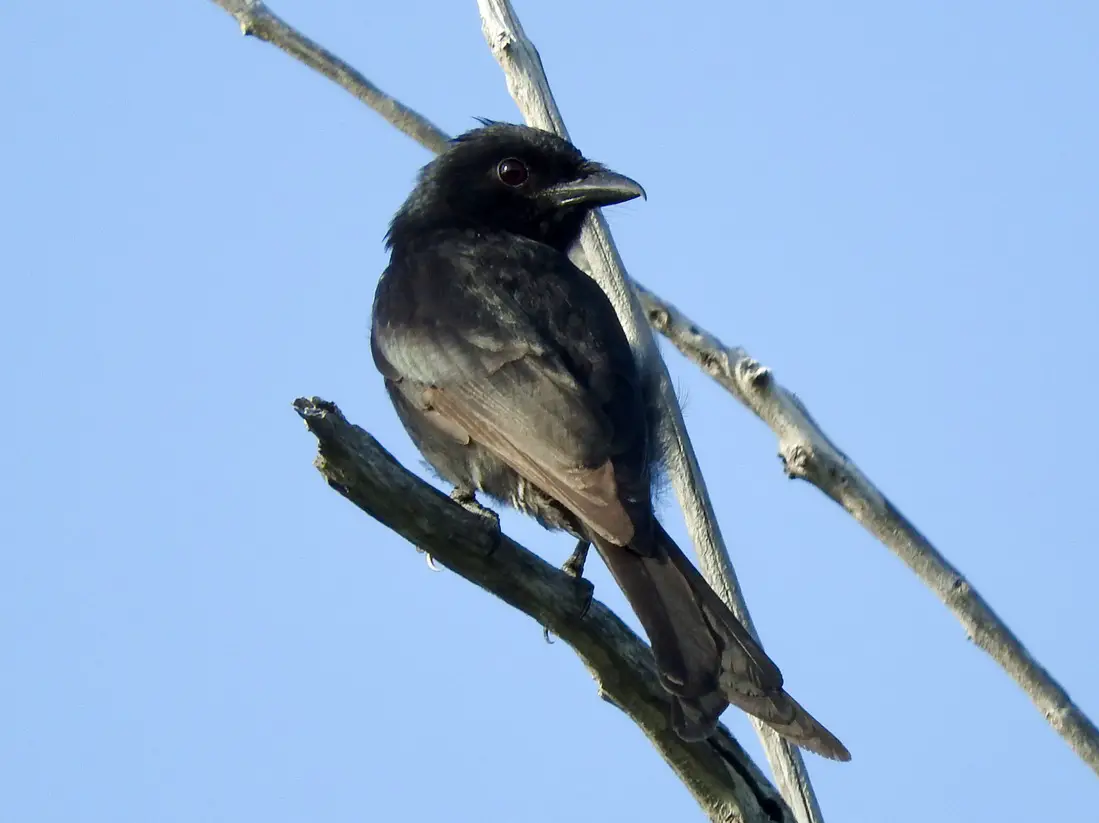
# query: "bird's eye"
[512,172]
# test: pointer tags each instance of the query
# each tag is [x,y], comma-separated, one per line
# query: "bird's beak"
[600,187]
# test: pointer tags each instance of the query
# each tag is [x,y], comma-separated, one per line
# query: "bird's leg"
[466,497]
[574,566]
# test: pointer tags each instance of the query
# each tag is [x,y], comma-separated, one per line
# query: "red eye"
[512,172]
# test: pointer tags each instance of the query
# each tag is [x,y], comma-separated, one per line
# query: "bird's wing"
[534,417]
[486,375]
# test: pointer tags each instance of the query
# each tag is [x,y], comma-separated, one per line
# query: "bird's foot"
[467,499]
[574,566]
[587,591]
[463,494]
[431,564]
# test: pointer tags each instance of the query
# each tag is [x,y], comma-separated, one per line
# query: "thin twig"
[808,454]
[258,21]
[736,372]
[529,87]
[718,773]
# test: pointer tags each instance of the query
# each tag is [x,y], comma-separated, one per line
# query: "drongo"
[509,369]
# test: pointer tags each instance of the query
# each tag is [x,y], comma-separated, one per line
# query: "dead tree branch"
[808,454]
[718,773]
[256,20]
[806,450]
[529,87]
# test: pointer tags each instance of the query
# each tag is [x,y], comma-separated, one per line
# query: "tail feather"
[686,650]
[786,716]
[706,658]
[695,718]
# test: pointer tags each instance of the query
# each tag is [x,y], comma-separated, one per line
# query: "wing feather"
[543,428]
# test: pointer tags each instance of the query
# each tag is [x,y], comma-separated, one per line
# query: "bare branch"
[527,82]
[719,774]
[808,454]
[258,21]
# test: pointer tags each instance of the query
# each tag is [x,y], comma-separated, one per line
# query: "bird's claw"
[467,499]
[589,595]
[431,564]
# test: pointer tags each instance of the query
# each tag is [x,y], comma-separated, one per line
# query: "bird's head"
[504,177]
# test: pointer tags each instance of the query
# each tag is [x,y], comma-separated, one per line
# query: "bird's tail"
[706,658]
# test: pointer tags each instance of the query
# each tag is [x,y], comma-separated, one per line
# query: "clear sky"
[893,205]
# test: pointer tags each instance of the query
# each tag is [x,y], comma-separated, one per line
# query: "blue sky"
[891,205]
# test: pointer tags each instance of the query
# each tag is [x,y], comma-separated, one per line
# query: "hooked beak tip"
[600,187]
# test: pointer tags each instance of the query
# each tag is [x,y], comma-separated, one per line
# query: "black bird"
[509,369]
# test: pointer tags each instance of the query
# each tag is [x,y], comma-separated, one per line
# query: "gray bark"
[718,773]
[809,454]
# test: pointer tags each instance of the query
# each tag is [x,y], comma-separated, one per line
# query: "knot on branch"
[715,363]
[753,373]
[1057,716]
[248,13]
[798,460]
[959,590]
[659,318]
